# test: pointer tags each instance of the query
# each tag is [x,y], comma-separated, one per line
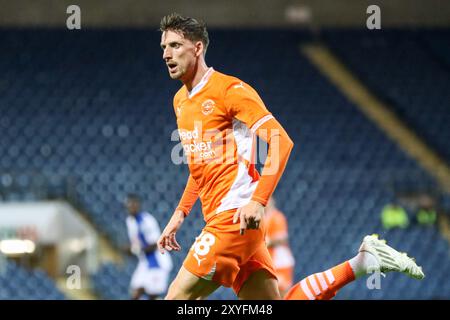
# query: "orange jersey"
[217,122]
[277,229]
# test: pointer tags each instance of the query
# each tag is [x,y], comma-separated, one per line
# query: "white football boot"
[390,259]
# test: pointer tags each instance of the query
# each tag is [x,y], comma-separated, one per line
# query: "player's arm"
[167,240]
[279,149]
[150,248]
[127,249]
[189,197]
[130,248]
[243,103]
[151,231]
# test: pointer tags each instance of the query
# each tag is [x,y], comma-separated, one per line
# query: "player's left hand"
[250,216]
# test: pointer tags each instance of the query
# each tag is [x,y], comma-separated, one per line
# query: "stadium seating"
[118,289]
[88,116]
[17,283]
[410,70]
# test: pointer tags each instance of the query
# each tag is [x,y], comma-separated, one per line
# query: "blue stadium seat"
[16,283]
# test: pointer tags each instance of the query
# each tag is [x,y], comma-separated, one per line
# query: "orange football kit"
[217,123]
[281,254]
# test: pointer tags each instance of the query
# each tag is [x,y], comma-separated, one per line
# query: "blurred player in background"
[218,117]
[150,279]
[278,245]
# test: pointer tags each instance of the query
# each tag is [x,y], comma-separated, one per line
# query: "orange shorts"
[224,256]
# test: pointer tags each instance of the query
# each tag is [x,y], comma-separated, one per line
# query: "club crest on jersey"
[208,107]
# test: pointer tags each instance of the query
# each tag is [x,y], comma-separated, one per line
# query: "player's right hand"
[167,240]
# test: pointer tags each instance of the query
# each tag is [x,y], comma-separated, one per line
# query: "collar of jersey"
[139,216]
[202,83]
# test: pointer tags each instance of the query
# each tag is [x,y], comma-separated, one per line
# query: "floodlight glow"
[17,246]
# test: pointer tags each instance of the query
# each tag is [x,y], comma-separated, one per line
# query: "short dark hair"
[133,197]
[191,28]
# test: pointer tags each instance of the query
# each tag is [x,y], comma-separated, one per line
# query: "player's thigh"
[260,285]
[187,286]
[257,277]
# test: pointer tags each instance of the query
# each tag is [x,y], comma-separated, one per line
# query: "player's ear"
[199,48]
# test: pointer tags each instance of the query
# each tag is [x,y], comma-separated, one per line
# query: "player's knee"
[176,293]
[260,286]
[172,293]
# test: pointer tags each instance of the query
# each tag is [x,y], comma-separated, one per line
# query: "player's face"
[132,206]
[180,55]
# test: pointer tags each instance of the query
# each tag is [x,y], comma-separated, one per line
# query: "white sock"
[362,262]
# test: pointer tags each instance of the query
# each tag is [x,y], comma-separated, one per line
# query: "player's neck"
[200,70]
